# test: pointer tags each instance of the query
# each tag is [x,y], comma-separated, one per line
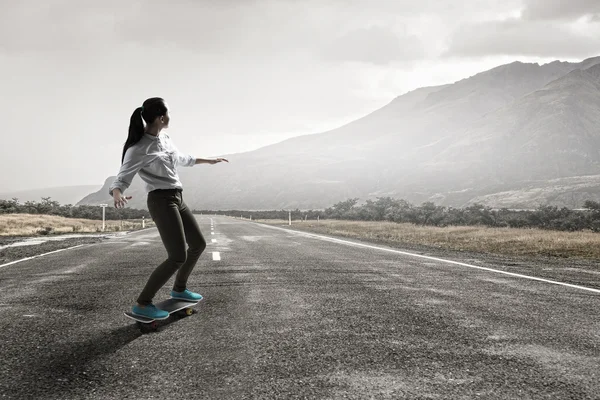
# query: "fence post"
[103,214]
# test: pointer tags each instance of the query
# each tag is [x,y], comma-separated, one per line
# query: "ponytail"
[152,108]
[136,130]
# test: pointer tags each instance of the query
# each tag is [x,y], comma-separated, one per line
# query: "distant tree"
[401,211]
[592,205]
[9,206]
[342,209]
[369,212]
[428,213]
[453,217]
[479,214]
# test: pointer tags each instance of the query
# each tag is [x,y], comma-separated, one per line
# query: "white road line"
[212,233]
[216,256]
[214,240]
[40,255]
[329,239]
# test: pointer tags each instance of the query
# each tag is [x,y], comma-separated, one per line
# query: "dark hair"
[151,109]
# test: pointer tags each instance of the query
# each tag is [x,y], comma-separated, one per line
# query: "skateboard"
[172,306]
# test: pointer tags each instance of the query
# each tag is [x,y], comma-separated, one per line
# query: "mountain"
[64,195]
[547,134]
[562,192]
[493,132]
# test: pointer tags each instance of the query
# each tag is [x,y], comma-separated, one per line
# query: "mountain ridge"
[422,144]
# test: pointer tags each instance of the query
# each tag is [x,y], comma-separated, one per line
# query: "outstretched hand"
[120,201]
[218,160]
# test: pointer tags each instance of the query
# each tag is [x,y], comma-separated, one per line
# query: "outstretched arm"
[132,163]
[210,161]
[187,160]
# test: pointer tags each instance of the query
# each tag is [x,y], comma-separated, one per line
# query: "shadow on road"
[74,368]
[70,368]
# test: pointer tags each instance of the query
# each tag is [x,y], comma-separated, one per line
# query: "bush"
[381,209]
[401,211]
[50,207]
[46,231]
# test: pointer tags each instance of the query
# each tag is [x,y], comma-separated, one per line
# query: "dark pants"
[176,225]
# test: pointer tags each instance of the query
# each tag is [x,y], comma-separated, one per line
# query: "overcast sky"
[241,74]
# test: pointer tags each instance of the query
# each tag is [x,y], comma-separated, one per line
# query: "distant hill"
[563,192]
[63,195]
[499,131]
[550,133]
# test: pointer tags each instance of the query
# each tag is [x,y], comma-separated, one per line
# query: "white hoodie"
[156,159]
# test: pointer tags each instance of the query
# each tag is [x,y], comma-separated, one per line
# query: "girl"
[152,153]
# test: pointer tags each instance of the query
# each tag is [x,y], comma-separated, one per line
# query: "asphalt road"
[288,315]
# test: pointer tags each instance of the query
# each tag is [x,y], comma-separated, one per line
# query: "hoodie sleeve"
[132,163]
[183,159]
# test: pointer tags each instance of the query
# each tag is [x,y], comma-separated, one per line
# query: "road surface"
[292,315]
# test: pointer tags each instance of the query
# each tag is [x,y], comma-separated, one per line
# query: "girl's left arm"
[187,160]
[210,161]
[183,159]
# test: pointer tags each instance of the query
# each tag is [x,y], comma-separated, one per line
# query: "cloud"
[242,28]
[518,37]
[542,28]
[63,25]
[378,32]
[560,9]
[375,45]
[44,26]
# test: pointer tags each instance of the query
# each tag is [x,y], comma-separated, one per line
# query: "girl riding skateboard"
[151,153]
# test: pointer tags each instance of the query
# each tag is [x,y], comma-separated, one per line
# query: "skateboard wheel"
[189,311]
[154,325]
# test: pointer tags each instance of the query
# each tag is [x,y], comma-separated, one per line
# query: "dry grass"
[33,224]
[505,241]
